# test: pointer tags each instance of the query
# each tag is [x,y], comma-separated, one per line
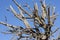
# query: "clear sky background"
[4,4]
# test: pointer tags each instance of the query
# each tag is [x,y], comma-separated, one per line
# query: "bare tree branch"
[54,31]
[10,26]
[22,8]
[24,20]
[44,21]
[44,11]
[6,32]
[14,12]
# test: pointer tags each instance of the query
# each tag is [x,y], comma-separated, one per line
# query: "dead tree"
[39,21]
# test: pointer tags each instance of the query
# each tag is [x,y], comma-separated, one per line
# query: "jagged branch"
[10,26]
[36,16]
[20,16]
[24,19]
[15,13]
[22,8]
[13,27]
[44,11]
[20,28]
[26,31]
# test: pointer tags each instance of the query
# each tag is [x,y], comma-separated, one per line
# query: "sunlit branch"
[24,20]
[22,8]
[44,21]
[10,26]
[14,12]
[44,11]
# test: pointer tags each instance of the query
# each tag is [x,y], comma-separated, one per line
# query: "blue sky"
[4,4]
